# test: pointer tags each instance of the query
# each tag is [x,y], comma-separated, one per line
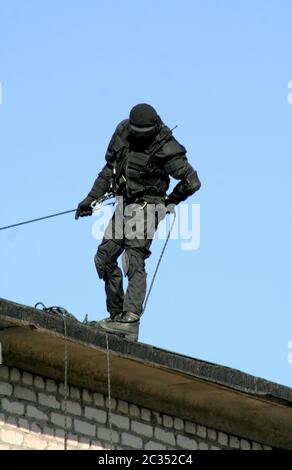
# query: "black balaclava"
[144,125]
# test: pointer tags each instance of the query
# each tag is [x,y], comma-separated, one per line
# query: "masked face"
[142,137]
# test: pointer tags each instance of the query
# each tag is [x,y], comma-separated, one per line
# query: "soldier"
[140,158]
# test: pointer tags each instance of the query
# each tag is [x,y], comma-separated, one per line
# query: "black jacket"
[138,175]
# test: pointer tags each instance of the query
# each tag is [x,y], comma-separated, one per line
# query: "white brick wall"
[186,442]
[131,441]
[5,389]
[142,429]
[32,417]
[95,414]
[86,429]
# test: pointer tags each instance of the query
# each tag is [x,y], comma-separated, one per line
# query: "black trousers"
[130,231]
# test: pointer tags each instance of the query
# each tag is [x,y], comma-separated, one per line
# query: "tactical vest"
[138,174]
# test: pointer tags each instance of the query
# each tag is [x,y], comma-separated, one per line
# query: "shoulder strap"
[164,136]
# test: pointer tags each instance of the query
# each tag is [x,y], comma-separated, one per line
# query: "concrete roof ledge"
[216,396]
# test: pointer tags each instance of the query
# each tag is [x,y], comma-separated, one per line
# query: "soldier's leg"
[136,274]
[108,270]
[137,250]
[106,264]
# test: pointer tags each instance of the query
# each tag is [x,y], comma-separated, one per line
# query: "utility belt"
[138,192]
[143,201]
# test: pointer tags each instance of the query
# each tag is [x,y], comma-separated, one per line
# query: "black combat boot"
[96,324]
[126,324]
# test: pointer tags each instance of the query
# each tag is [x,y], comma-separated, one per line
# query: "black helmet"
[144,121]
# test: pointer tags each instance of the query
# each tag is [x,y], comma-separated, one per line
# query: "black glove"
[84,208]
[169,204]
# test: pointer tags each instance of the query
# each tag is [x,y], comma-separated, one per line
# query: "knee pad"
[104,267]
[106,258]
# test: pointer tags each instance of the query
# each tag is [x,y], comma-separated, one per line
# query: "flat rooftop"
[216,396]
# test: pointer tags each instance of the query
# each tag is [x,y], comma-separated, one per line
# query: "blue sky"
[70,71]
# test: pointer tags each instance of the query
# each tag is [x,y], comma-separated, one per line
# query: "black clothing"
[117,239]
[138,167]
[143,115]
[126,324]
[144,125]
[84,207]
[139,173]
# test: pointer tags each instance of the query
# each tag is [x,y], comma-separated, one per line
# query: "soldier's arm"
[103,181]
[178,167]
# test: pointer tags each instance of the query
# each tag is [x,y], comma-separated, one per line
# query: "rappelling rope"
[65,314]
[37,220]
[56,214]
[158,263]
[109,391]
